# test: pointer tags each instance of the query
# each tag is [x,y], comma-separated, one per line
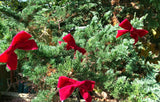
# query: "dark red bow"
[71,44]
[134,33]
[20,41]
[67,86]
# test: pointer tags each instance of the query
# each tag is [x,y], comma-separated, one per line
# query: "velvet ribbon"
[134,33]
[20,41]
[68,85]
[71,44]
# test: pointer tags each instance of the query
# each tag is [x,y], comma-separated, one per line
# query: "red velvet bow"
[20,41]
[68,85]
[134,33]
[71,44]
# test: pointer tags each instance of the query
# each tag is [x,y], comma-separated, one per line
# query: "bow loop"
[20,37]
[141,32]
[20,41]
[65,92]
[27,45]
[121,32]
[4,56]
[64,81]
[68,85]
[125,24]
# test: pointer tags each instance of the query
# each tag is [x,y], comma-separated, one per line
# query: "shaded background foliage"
[123,71]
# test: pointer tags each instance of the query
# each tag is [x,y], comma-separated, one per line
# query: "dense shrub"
[118,67]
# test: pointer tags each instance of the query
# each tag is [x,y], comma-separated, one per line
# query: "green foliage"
[115,64]
[113,61]
[44,96]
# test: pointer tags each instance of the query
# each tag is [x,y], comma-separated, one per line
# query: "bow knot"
[67,86]
[134,33]
[20,41]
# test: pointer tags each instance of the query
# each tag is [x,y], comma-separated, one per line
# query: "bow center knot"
[133,31]
[78,83]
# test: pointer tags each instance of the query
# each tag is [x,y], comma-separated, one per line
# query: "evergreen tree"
[116,65]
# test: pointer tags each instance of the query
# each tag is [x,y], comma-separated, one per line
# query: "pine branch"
[10,13]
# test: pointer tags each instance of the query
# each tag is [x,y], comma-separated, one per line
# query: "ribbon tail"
[65,92]
[141,32]
[121,32]
[4,57]
[12,61]
[82,50]
[86,95]
[135,37]
[135,41]
[28,45]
